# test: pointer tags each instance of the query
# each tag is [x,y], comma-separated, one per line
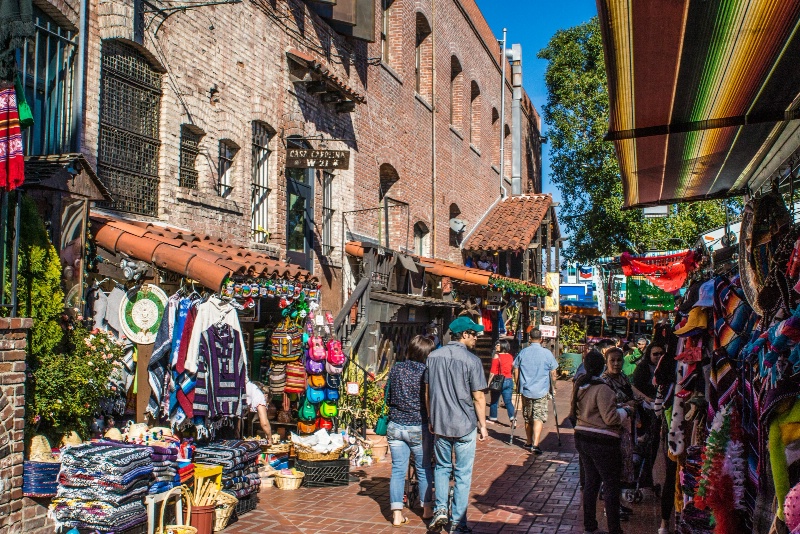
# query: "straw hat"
[41,450]
[135,432]
[113,433]
[71,439]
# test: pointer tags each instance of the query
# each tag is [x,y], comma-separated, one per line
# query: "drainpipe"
[433,128]
[503,192]
[515,57]
[79,96]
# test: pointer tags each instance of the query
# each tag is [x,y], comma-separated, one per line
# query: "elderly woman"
[598,429]
[408,429]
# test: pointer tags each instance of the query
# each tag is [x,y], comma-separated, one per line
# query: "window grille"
[190,148]
[327,213]
[259,188]
[47,62]
[227,151]
[130,107]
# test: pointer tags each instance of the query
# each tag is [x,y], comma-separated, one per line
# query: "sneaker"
[438,521]
[662,530]
[491,420]
[536,450]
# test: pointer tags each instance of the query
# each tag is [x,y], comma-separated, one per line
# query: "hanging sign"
[550,332]
[303,158]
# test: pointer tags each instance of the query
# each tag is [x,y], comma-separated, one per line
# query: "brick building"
[187,114]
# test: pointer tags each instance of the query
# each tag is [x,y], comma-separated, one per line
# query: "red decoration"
[665,272]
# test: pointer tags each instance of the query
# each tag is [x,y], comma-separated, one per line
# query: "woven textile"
[96,514]
[12,163]
[107,459]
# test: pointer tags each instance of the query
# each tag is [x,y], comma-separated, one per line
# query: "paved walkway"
[512,491]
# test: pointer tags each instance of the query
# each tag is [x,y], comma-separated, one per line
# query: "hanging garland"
[517,287]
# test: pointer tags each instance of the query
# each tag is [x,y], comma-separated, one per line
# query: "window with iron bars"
[227,151]
[327,213]
[130,109]
[190,148]
[47,61]
[259,188]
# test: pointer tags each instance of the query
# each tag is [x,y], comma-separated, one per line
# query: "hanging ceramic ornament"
[283,303]
[237,289]
[227,291]
[140,313]
[263,289]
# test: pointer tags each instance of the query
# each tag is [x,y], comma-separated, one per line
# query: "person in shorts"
[535,373]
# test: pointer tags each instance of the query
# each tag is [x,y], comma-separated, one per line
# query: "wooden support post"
[142,384]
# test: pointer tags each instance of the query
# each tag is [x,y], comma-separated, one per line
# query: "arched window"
[456,94]
[475,115]
[391,33]
[495,137]
[455,237]
[388,177]
[421,234]
[227,151]
[507,151]
[423,64]
[393,225]
[130,111]
[259,185]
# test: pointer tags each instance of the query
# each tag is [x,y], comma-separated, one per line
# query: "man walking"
[457,412]
[535,374]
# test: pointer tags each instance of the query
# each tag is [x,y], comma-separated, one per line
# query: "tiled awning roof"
[201,257]
[312,63]
[447,268]
[511,224]
[703,94]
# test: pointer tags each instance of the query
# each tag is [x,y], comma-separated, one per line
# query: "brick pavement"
[512,492]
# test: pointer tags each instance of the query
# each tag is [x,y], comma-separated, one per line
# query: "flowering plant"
[351,407]
[70,383]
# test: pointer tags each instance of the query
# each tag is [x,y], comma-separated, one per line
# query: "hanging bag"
[295,377]
[497,383]
[382,424]
[287,342]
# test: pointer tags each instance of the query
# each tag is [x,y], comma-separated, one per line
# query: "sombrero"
[41,451]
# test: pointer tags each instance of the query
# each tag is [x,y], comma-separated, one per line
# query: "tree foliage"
[584,167]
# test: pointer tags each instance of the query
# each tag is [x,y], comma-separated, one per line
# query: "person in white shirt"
[258,404]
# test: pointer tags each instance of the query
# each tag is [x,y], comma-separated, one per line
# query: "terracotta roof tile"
[511,224]
[326,73]
[204,258]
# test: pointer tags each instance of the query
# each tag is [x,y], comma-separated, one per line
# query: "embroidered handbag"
[314,367]
[382,424]
[295,377]
[317,349]
[287,343]
[335,355]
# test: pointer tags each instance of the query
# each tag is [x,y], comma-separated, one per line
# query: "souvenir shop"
[205,333]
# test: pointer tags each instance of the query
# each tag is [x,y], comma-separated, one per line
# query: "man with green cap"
[457,412]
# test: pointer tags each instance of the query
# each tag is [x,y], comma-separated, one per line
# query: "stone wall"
[17,514]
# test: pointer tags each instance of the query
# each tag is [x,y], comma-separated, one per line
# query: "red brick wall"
[17,514]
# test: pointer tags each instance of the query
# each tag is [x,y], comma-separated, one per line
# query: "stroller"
[645,434]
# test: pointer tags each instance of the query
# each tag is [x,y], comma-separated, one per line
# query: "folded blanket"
[136,492]
[108,458]
[161,487]
[164,457]
[82,478]
[96,514]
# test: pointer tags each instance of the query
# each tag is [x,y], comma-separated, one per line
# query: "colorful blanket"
[12,163]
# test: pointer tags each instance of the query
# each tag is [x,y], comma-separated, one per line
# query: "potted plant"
[352,409]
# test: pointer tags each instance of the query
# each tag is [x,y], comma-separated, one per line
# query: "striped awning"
[705,94]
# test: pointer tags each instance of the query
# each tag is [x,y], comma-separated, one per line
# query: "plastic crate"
[246,504]
[325,473]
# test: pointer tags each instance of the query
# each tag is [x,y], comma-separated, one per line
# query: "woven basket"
[278,448]
[310,455]
[226,504]
[182,493]
[288,482]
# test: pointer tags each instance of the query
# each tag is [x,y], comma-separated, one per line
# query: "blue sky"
[531,24]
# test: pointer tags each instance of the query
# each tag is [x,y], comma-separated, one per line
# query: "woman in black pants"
[598,427]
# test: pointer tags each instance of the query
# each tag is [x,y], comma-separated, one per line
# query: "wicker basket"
[288,482]
[310,455]
[278,448]
[176,529]
[226,504]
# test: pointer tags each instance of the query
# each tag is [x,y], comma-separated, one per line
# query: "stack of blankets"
[186,472]
[101,486]
[239,461]
[165,469]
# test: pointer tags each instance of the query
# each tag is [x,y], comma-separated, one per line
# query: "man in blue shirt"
[455,381]
[535,375]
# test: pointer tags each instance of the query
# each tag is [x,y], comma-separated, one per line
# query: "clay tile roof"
[326,73]
[511,224]
[449,269]
[200,257]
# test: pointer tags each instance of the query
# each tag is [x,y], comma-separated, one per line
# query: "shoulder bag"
[497,382]
[382,424]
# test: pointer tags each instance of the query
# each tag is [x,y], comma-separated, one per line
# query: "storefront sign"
[548,331]
[303,158]
[552,282]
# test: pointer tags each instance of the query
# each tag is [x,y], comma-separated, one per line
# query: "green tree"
[584,167]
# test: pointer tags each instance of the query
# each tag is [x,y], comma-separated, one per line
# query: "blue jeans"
[508,389]
[465,457]
[403,441]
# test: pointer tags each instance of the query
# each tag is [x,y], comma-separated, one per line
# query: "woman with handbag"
[501,381]
[407,430]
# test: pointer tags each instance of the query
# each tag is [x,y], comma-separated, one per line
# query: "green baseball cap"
[464,323]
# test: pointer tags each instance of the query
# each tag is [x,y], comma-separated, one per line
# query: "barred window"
[227,151]
[327,213]
[259,188]
[130,107]
[47,61]
[190,148]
